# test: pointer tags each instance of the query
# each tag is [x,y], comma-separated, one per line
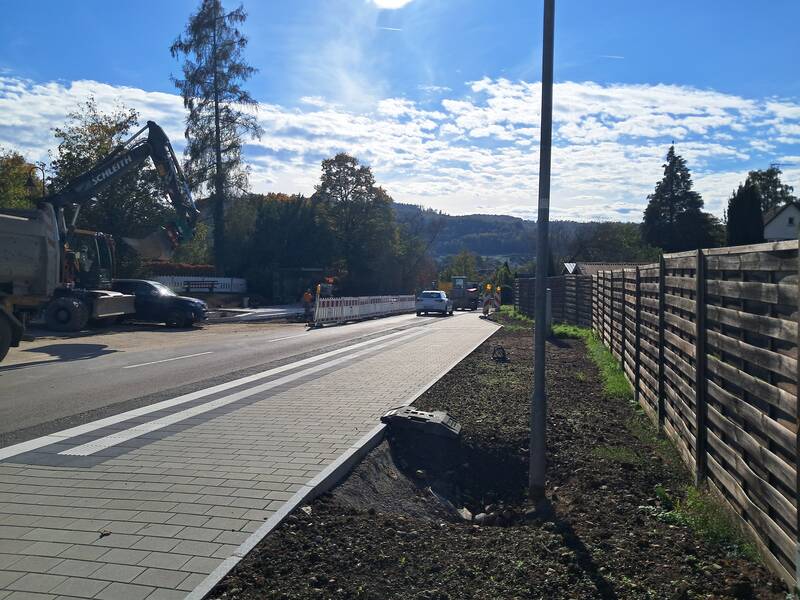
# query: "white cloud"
[474,152]
[391,4]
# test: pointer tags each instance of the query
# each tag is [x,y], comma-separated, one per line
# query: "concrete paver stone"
[183,495]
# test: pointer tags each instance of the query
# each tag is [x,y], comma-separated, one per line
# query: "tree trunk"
[219,195]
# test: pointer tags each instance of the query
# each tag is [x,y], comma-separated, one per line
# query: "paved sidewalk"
[145,505]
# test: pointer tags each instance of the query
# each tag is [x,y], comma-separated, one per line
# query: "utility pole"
[538,441]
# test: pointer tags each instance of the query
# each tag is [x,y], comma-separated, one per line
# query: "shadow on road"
[133,327]
[63,353]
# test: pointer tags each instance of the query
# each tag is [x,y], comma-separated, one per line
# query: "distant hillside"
[489,235]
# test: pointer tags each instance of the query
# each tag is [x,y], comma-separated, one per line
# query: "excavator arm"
[130,156]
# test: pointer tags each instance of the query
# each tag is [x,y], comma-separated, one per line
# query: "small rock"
[465,514]
[480,518]
[306,509]
[681,591]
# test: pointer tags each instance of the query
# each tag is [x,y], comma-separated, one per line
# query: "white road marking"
[155,362]
[288,337]
[66,434]
[138,430]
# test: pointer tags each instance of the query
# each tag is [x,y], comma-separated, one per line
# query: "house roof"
[773,212]
[592,268]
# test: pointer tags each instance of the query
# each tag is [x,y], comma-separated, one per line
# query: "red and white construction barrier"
[340,310]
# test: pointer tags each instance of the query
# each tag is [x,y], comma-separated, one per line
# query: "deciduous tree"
[771,189]
[134,206]
[15,172]
[361,219]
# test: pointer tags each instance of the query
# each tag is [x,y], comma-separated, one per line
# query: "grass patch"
[704,514]
[614,382]
[508,310]
[620,454]
[512,319]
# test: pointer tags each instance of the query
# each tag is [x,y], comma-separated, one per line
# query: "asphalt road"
[57,382]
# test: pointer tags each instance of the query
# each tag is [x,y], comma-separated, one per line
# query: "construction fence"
[570,298]
[708,339]
[341,310]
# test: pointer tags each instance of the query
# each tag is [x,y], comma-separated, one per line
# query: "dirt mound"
[378,485]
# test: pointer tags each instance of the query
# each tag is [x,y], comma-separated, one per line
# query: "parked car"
[156,302]
[434,301]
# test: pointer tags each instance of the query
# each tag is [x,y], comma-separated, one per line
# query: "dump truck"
[465,294]
[48,264]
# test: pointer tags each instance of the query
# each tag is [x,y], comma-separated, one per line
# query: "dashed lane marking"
[155,362]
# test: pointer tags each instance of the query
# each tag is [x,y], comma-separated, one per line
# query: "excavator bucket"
[156,246]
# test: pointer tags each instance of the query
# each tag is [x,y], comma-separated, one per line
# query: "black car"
[156,302]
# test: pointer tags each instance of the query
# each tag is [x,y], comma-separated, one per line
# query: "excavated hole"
[452,475]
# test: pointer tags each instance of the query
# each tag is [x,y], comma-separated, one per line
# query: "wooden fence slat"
[780,329]
[755,418]
[773,361]
[751,261]
[773,293]
[682,283]
[770,495]
[754,513]
[777,466]
[753,385]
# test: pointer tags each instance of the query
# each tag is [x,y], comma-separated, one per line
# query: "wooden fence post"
[661,324]
[700,368]
[623,324]
[797,445]
[601,293]
[605,308]
[637,338]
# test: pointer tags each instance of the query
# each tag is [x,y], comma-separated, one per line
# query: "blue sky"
[441,96]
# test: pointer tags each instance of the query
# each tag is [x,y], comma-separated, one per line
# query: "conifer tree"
[221,111]
[673,219]
[745,225]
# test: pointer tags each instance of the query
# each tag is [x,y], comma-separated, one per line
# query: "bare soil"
[393,528]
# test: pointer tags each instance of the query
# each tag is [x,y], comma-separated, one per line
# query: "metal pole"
[538,441]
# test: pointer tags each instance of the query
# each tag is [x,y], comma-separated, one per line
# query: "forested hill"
[486,235]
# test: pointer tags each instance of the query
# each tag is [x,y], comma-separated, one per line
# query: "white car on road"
[434,301]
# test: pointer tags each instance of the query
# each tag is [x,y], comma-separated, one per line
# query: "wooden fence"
[570,298]
[708,340]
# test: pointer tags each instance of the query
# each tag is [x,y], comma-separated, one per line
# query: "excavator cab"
[89,260]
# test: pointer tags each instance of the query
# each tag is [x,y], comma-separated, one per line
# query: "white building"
[781,222]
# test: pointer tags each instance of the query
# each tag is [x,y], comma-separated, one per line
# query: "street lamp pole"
[538,416]
[30,184]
